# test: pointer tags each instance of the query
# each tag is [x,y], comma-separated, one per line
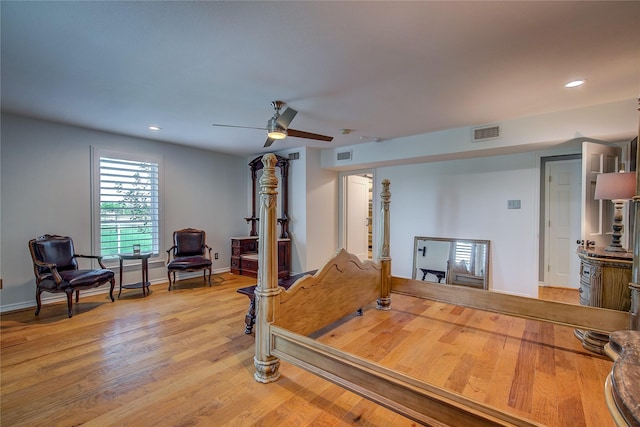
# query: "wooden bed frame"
[285,319]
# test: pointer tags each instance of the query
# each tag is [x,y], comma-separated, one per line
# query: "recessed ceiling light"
[574,83]
[155,128]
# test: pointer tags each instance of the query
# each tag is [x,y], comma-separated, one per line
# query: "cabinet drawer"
[235,262]
[249,264]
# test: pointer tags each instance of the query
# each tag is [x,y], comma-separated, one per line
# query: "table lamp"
[616,187]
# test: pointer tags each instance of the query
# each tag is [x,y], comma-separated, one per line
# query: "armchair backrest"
[189,242]
[53,249]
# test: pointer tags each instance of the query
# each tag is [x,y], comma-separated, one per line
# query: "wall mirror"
[452,261]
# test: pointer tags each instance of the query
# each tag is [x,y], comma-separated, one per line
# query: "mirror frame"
[472,278]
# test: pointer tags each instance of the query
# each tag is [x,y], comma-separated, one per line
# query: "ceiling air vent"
[486,132]
[345,155]
[294,156]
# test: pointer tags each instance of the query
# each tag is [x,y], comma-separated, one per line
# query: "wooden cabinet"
[244,256]
[604,282]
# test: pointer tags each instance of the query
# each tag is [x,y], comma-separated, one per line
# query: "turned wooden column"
[267,290]
[384,301]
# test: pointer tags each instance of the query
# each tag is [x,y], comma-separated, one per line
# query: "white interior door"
[563,182]
[357,215]
[596,215]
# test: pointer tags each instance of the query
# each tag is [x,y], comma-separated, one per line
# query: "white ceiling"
[384,69]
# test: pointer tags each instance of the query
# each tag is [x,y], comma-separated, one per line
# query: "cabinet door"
[585,284]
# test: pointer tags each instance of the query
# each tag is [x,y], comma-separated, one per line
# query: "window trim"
[96,154]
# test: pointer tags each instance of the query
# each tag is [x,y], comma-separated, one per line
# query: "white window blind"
[128,206]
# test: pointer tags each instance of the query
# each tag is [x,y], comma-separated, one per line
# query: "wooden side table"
[144,284]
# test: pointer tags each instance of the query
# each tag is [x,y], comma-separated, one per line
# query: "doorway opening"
[356,213]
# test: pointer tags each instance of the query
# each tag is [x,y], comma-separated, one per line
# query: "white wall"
[45,169]
[322,211]
[468,199]
[313,210]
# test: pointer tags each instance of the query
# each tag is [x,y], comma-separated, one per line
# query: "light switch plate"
[513,204]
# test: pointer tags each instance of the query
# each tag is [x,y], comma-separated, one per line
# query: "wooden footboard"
[341,287]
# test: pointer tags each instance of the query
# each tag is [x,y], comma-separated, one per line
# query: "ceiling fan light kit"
[275,131]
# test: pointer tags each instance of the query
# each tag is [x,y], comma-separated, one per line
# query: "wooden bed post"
[267,290]
[384,301]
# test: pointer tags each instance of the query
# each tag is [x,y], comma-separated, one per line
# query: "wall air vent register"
[486,132]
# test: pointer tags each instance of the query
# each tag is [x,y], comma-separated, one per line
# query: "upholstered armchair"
[56,267]
[189,253]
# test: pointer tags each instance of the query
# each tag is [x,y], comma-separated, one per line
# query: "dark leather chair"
[190,253]
[55,265]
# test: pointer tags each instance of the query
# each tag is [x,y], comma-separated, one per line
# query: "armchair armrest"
[53,268]
[209,252]
[171,249]
[96,257]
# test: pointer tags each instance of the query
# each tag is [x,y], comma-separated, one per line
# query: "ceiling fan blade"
[234,126]
[269,142]
[308,135]
[285,118]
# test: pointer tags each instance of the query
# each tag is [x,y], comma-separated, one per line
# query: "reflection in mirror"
[452,261]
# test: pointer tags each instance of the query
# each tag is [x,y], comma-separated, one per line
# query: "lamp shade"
[615,186]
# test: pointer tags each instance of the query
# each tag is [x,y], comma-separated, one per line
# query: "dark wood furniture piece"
[244,250]
[249,291]
[244,256]
[190,252]
[604,283]
[55,265]
[255,166]
[144,284]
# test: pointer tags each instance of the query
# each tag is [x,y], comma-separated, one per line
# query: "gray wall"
[45,177]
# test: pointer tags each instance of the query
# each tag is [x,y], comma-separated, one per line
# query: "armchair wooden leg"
[169,276]
[70,301]
[209,276]
[77,295]
[113,285]
[38,301]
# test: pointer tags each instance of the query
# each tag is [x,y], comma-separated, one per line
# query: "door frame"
[542,217]
[342,203]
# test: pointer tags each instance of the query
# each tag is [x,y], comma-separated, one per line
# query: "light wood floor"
[180,358]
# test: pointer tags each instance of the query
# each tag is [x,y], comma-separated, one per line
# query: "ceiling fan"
[278,126]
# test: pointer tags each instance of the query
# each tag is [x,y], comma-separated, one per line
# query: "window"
[463,252]
[126,202]
[472,256]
